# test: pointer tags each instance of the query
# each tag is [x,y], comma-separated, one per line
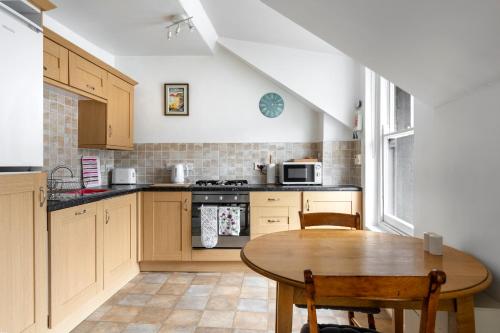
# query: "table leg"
[284,308]
[464,315]
[398,320]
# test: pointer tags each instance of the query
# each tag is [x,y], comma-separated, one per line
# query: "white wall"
[329,81]
[224,102]
[457,174]
[75,38]
[334,130]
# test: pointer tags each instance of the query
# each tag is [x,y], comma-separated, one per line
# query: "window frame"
[387,102]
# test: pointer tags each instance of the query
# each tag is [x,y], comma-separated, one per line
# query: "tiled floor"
[199,302]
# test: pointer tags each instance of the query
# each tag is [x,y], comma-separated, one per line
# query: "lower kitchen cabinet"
[76,258]
[23,258]
[120,237]
[347,202]
[92,252]
[166,226]
[273,212]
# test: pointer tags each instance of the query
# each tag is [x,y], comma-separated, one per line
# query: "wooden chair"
[425,288]
[339,220]
[330,219]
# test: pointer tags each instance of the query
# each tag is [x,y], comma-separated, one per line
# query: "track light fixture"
[177,26]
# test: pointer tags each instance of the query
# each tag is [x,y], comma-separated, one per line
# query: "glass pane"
[400,178]
[402,109]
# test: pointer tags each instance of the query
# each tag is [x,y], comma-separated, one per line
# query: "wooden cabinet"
[106,118]
[75,237]
[120,113]
[120,237]
[347,202]
[23,258]
[108,125]
[273,212]
[166,226]
[55,61]
[87,76]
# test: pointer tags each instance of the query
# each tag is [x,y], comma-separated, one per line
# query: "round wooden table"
[284,256]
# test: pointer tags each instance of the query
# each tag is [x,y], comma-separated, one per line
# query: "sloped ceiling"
[127,27]
[437,50]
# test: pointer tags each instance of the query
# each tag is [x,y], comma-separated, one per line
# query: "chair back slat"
[330,219]
[415,288]
[395,287]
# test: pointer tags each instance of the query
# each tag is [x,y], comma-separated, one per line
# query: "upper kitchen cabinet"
[105,117]
[86,76]
[120,113]
[55,61]
[108,125]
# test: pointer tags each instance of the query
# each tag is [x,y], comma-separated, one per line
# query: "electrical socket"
[258,166]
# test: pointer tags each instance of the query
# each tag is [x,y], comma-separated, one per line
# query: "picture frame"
[176,99]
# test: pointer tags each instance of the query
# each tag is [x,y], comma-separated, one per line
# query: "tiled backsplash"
[209,160]
[235,160]
[203,160]
[60,134]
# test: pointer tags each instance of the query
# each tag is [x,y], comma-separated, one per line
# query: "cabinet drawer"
[86,76]
[55,61]
[275,198]
[269,219]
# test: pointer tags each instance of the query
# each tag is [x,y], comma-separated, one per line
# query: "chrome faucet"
[60,167]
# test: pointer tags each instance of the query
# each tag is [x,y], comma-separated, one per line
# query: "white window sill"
[384,227]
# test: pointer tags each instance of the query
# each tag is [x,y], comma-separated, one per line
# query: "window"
[397,176]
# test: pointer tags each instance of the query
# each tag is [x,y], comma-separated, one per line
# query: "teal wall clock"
[271,105]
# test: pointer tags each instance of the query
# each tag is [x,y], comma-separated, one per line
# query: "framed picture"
[176,99]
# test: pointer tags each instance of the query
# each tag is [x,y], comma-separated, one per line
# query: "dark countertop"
[71,200]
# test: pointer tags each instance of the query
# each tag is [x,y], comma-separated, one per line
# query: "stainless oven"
[220,199]
[301,173]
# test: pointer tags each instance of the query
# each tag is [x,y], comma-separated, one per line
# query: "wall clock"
[271,105]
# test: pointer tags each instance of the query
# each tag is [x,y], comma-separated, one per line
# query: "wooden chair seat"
[333,328]
[343,308]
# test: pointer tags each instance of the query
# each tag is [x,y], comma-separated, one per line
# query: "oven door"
[227,242]
[298,174]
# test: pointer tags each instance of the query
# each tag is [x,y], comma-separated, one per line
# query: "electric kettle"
[178,173]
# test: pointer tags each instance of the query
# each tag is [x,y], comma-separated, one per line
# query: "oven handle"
[241,209]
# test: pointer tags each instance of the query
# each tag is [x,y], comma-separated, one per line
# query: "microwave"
[301,173]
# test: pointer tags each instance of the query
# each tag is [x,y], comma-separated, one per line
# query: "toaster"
[124,176]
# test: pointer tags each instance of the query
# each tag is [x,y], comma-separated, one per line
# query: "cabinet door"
[55,61]
[86,76]
[120,230]
[120,113]
[75,245]
[167,226]
[336,202]
[23,237]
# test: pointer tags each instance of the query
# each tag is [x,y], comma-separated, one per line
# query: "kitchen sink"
[84,191]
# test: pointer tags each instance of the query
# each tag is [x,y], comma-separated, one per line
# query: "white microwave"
[301,173]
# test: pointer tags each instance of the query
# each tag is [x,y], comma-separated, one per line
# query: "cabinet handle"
[81,212]
[186,204]
[107,216]
[90,87]
[44,68]
[273,199]
[110,130]
[307,205]
[43,196]
[273,221]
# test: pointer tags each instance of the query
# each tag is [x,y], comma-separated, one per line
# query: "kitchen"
[147,164]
